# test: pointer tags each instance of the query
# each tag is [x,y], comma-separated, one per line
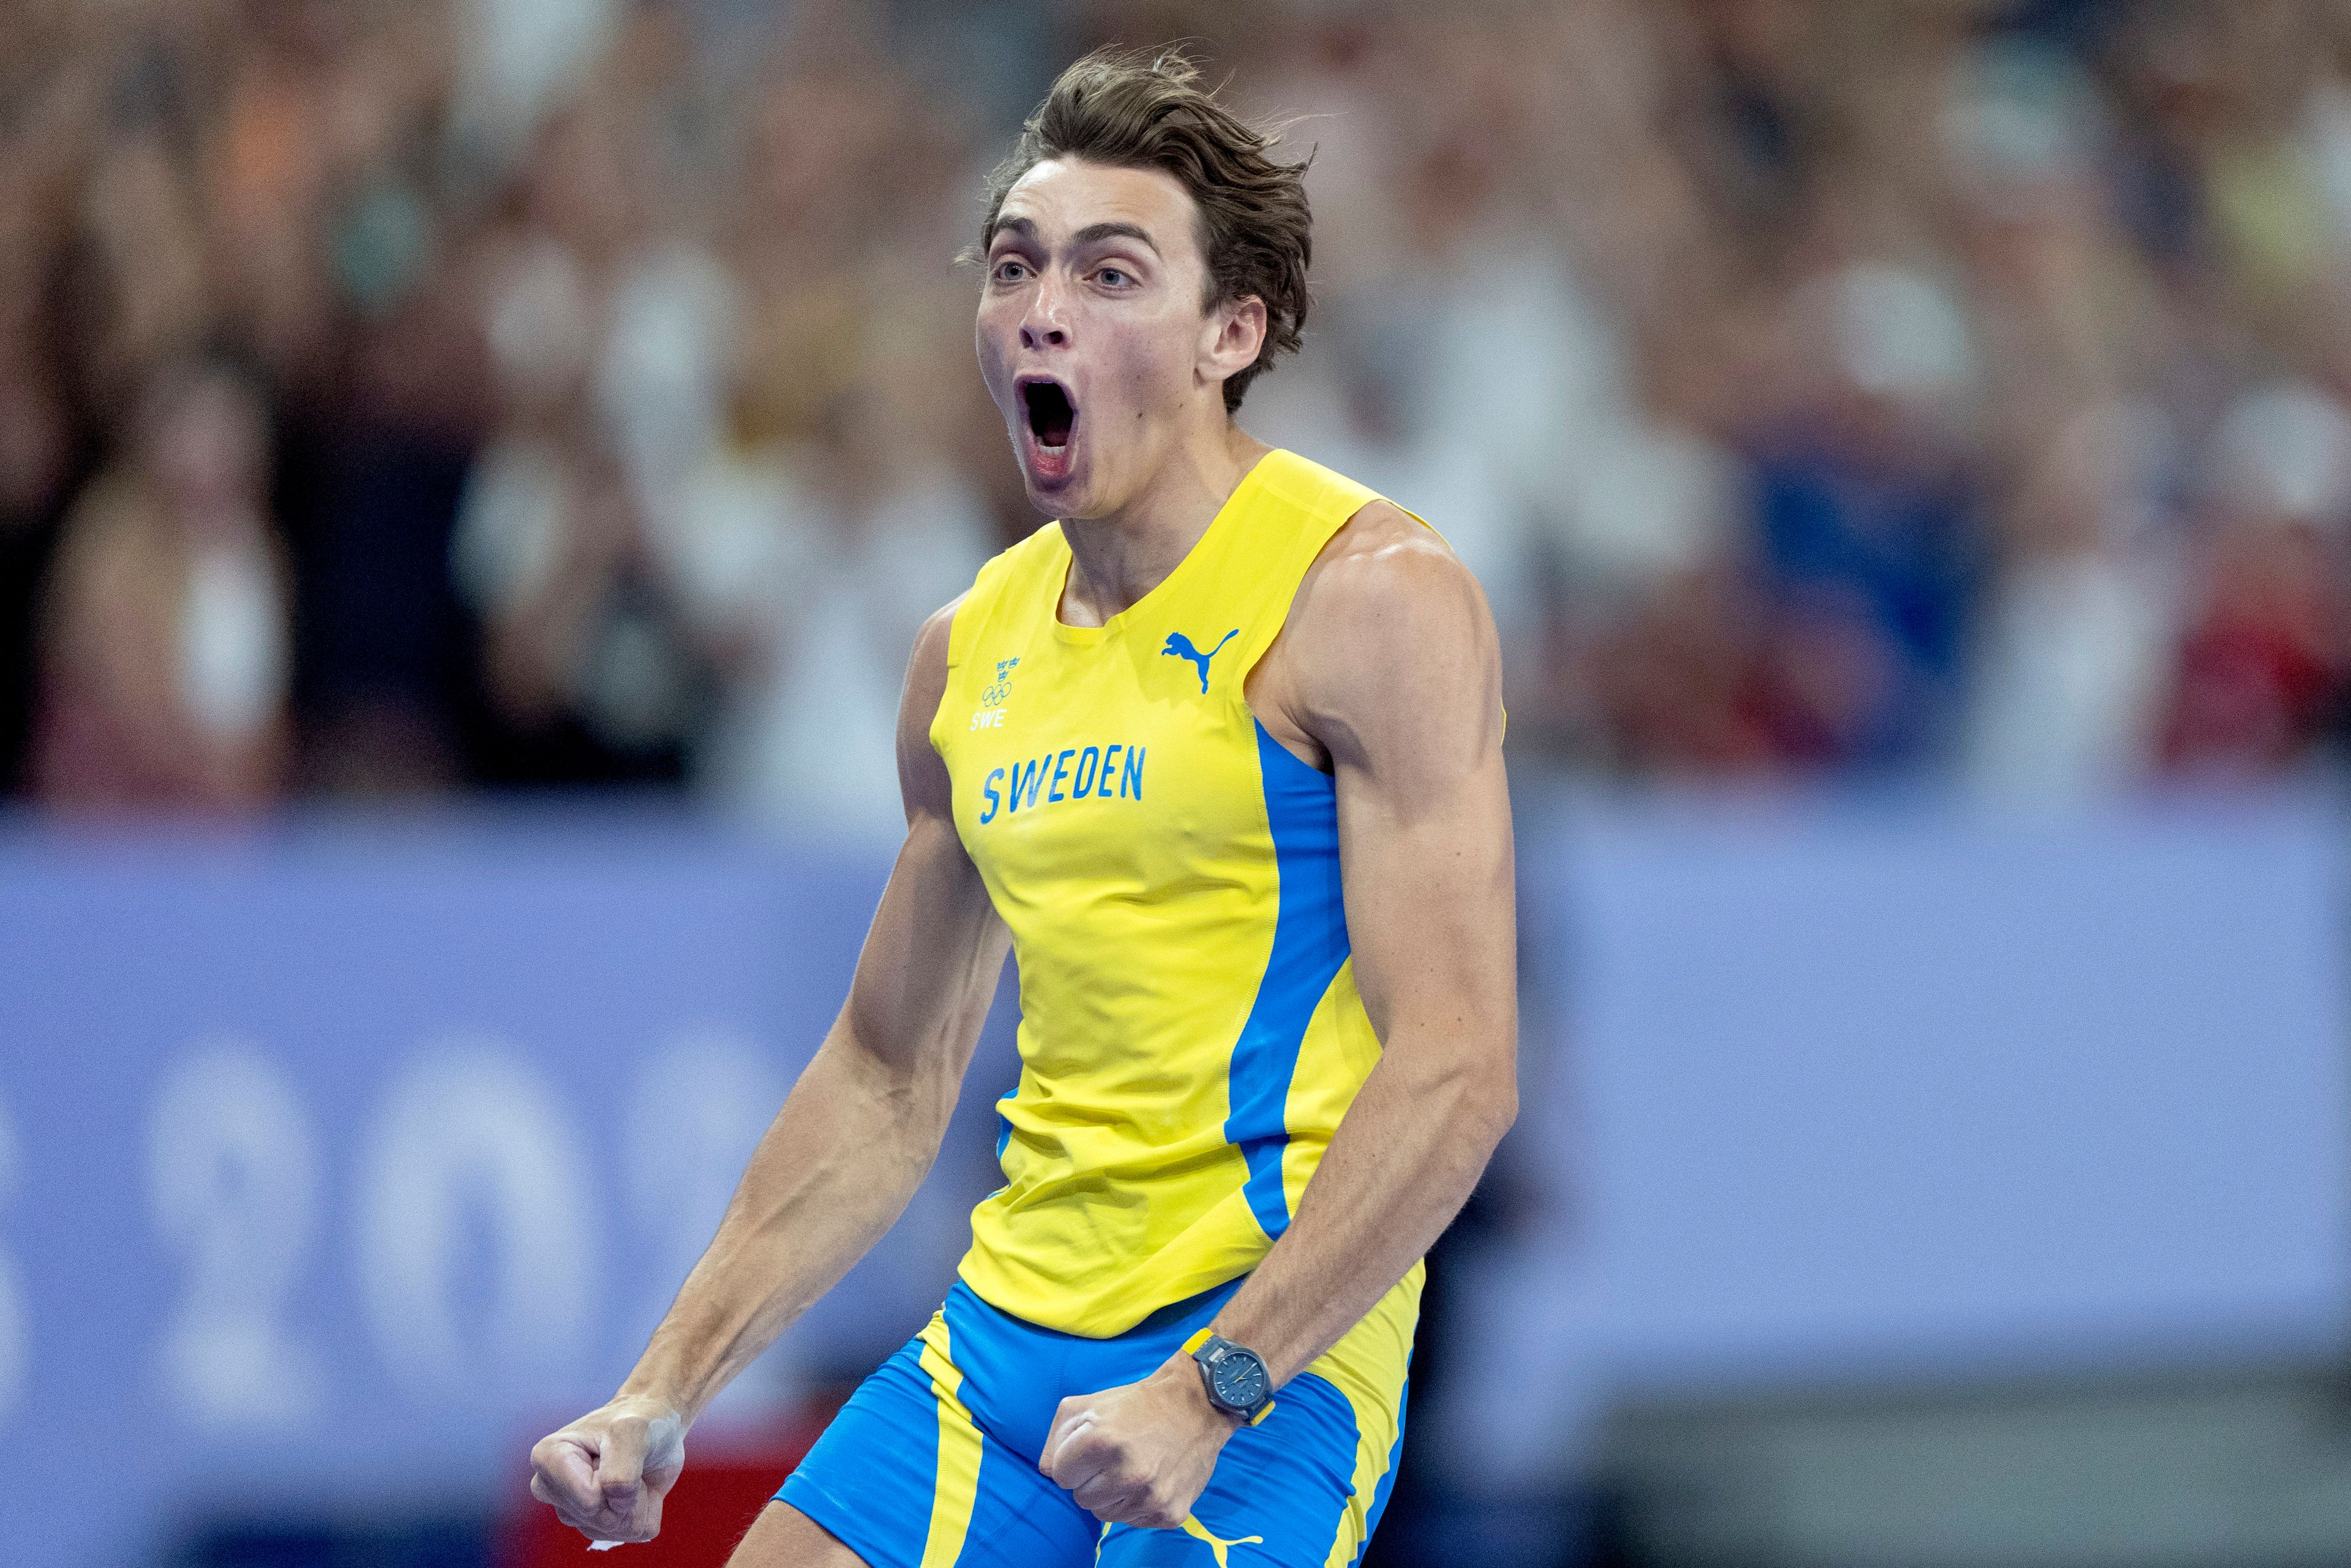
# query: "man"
[1142,750]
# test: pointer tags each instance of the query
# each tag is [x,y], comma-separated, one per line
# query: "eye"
[1010,270]
[1115,276]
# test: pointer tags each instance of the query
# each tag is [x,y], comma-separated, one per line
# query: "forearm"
[832,1173]
[1399,1167]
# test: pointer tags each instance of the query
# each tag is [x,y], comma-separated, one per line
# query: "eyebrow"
[1093,233]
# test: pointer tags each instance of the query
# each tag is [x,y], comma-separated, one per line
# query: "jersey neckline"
[1161,590]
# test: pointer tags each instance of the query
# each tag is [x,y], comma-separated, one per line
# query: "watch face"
[1241,1379]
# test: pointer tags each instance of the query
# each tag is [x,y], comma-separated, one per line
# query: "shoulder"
[922,775]
[1386,581]
[1390,643]
[928,668]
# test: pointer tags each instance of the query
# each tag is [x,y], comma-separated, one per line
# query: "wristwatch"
[1234,1374]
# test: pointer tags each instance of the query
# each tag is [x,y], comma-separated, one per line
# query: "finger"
[1070,1428]
[1119,1510]
[641,1521]
[1066,1415]
[1158,1515]
[1083,1455]
[1107,1497]
[647,1523]
[574,1517]
[567,1465]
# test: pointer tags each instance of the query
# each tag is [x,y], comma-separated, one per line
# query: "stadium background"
[469,474]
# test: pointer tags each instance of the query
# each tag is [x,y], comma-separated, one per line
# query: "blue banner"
[339,1162]
[336,1162]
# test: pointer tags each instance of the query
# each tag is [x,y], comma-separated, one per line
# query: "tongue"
[1050,461]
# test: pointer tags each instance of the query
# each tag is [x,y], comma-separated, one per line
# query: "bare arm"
[1396,672]
[1390,669]
[854,1139]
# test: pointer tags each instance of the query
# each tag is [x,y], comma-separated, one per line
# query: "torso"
[1151,813]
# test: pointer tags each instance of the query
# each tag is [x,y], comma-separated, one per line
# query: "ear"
[1230,338]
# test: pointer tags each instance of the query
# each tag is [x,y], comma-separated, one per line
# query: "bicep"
[1408,701]
[1426,854]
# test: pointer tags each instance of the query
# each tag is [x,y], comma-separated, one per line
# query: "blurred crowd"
[412,397]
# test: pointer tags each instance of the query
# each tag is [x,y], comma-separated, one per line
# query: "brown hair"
[1147,109]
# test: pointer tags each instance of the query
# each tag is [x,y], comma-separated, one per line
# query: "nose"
[1046,325]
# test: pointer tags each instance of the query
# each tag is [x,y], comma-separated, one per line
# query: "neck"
[1120,556]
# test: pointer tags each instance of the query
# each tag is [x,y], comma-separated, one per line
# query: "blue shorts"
[933,1462]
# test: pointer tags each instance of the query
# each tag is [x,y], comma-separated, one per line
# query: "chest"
[1121,762]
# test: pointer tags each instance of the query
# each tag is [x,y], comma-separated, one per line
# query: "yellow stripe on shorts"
[1369,1367]
[957,1488]
[1375,1439]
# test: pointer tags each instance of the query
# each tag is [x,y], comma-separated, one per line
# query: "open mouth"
[1051,415]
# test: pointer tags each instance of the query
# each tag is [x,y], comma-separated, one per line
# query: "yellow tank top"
[1190,1031]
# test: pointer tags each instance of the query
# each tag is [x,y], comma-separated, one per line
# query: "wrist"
[644,1390]
[1182,1371]
[1233,1378]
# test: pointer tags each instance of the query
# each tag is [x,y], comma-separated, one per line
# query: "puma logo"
[1181,647]
[1199,1532]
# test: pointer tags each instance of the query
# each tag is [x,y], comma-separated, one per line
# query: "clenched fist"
[605,1474]
[1139,1455]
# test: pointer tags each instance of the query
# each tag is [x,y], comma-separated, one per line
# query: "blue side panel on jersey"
[1310,945]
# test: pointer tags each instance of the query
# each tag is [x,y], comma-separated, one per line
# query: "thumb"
[1071,1414]
[621,1457]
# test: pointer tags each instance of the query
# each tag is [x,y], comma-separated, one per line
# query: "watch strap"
[1192,1347]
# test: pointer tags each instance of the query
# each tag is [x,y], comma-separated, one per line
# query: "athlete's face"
[1093,334]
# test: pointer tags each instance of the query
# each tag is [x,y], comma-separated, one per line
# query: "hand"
[1139,1455]
[605,1474]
